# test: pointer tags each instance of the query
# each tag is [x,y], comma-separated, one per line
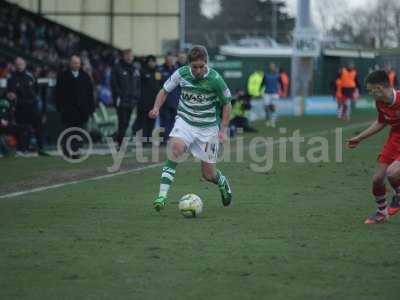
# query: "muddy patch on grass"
[64,176]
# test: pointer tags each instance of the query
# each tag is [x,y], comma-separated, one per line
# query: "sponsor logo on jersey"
[194,98]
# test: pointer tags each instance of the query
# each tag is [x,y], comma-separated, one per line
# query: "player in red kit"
[388,105]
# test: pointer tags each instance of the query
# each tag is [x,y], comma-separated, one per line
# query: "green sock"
[167,177]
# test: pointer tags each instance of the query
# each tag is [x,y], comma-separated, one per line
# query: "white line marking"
[59,185]
[54,186]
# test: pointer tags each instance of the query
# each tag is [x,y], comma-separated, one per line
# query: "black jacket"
[125,84]
[24,85]
[151,85]
[74,97]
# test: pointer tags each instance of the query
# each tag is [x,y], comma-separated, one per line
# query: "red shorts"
[391,150]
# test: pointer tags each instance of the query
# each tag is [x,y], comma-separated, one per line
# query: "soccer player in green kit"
[198,127]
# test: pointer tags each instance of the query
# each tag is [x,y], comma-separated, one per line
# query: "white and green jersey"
[201,99]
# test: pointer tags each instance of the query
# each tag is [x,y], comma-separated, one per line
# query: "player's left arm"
[224,96]
[226,113]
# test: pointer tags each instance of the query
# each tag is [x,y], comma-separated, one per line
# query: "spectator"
[284,78]
[22,88]
[104,95]
[74,95]
[50,42]
[9,127]
[125,85]
[340,99]
[240,106]
[255,86]
[350,87]
[5,69]
[272,84]
[151,84]
[170,107]
[181,59]
[392,75]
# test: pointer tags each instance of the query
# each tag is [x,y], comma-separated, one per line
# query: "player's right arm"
[168,87]
[371,130]
[160,99]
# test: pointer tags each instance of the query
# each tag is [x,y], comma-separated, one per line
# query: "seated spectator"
[5,69]
[51,43]
[240,105]
[9,127]
[104,95]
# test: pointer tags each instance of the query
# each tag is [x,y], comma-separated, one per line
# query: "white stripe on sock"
[167,175]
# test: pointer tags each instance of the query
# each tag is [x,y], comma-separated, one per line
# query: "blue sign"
[320,105]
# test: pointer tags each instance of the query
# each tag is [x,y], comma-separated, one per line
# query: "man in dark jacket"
[125,86]
[181,59]
[74,98]
[151,84]
[169,109]
[22,88]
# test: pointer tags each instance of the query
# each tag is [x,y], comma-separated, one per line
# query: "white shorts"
[202,142]
[270,98]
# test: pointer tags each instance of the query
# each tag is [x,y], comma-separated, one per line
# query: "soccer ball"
[190,205]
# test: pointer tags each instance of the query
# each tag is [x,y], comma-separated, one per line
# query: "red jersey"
[390,114]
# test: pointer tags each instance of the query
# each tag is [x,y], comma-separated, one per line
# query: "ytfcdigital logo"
[75,145]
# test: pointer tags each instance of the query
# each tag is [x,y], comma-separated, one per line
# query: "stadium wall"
[236,70]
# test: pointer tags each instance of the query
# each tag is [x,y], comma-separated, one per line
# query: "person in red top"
[388,106]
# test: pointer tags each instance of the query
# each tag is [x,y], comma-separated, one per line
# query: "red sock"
[380,197]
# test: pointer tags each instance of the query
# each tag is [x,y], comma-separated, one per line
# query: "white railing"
[51,82]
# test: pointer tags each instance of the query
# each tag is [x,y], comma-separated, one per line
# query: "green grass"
[19,171]
[294,232]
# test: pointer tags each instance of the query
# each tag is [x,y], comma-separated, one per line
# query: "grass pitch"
[293,232]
